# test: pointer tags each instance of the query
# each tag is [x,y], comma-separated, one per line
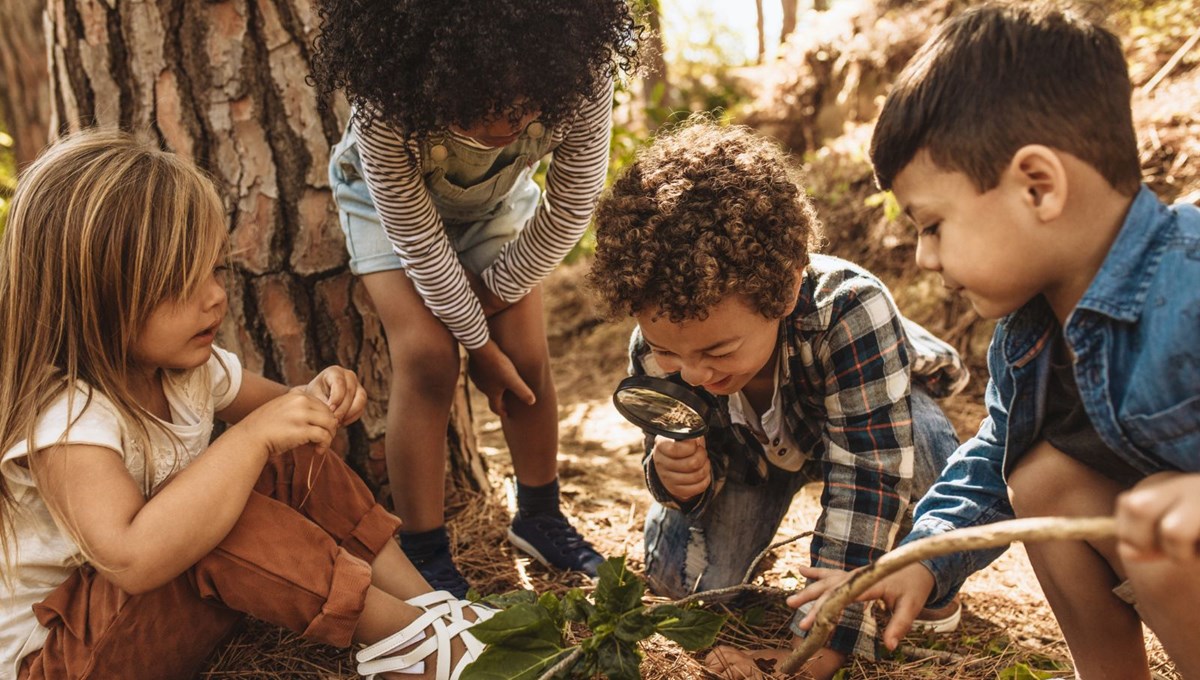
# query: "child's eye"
[720,356]
[930,230]
[661,352]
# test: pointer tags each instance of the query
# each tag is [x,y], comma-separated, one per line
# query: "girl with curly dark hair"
[453,108]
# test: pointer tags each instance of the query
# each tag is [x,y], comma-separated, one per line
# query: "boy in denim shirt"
[816,375]
[1027,197]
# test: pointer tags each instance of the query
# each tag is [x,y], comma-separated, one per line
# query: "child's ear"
[1039,173]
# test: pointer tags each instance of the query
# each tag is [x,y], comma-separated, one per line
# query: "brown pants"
[298,557]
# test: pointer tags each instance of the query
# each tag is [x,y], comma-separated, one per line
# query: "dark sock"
[421,545]
[537,500]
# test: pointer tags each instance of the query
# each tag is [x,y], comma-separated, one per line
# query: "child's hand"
[1160,518]
[730,663]
[293,419]
[682,466]
[904,592]
[494,374]
[339,389]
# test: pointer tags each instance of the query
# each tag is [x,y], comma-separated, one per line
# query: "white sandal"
[406,650]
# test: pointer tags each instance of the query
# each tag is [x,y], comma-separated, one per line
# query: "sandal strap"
[447,620]
[426,600]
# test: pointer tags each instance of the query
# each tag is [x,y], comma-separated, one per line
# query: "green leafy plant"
[526,639]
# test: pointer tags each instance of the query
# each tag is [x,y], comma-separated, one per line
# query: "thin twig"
[1171,63]
[566,662]
[763,553]
[959,540]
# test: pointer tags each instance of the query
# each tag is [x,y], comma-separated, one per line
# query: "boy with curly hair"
[1027,199]
[453,108]
[705,241]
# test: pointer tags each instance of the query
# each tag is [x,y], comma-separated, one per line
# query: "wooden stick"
[973,538]
[1171,63]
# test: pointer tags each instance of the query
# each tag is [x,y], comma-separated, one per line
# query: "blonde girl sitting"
[132,545]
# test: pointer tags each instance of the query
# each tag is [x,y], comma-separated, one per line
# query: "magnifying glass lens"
[663,407]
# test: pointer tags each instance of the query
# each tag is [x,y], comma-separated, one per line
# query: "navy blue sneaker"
[550,539]
[440,572]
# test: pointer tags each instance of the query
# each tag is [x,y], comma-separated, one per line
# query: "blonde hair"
[102,229]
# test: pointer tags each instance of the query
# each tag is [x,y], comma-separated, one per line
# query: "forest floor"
[1008,630]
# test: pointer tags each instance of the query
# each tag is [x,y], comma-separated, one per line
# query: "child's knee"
[1035,486]
[429,367]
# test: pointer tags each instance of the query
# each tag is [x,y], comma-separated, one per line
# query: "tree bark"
[762,34]
[24,81]
[223,83]
[790,8]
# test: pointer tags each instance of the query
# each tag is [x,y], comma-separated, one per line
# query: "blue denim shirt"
[1136,337]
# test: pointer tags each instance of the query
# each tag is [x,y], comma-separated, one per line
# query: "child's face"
[722,353]
[180,334]
[985,245]
[498,130]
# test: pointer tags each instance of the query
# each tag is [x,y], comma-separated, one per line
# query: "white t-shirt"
[771,429]
[45,555]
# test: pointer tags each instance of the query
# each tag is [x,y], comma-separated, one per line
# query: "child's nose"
[695,374]
[214,294]
[927,257]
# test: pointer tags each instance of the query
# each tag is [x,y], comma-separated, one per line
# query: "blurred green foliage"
[701,55]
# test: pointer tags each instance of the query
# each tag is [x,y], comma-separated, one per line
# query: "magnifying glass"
[667,407]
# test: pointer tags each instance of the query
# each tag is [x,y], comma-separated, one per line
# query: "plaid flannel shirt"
[849,357]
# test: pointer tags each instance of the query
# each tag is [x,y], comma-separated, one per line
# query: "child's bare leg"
[425,365]
[1168,597]
[1103,632]
[384,615]
[531,431]
[394,574]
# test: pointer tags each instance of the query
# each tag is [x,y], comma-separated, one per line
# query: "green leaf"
[1020,671]
[506,600]
[620,660]
[618,590]
[576,607]
[503,663]
[518,621]
[692,629]
[553,607]
[634,626]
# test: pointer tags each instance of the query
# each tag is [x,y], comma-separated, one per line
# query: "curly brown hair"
[705,212]
[422,65]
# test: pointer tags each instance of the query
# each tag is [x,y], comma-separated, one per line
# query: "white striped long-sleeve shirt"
[391,167]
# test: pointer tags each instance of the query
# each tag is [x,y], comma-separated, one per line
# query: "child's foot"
[440,572]
[550,539]
[941,620]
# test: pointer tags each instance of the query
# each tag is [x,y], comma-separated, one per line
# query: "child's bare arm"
[141,544]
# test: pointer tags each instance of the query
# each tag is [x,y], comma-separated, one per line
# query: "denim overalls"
[484,196]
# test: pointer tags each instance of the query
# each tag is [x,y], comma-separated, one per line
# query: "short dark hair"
[704,213]
[998,77]
[420,66]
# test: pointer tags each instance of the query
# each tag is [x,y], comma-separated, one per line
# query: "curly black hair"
[420,66]
[705,212]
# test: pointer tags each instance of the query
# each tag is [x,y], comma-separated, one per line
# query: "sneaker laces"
[565,538]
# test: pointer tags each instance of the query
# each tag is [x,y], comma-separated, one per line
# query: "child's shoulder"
[78,415]
[834,288]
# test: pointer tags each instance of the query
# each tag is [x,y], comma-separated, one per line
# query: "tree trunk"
[762,31]
[222,82]
[24,81]
[790,8]
[656,86]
